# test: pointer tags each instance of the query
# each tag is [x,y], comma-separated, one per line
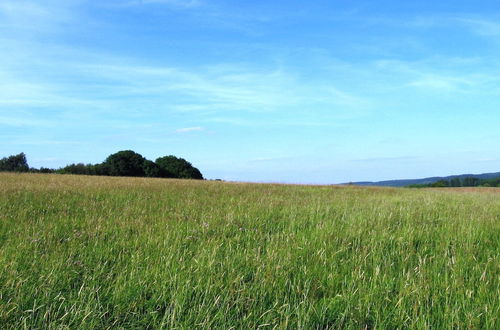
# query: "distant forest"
[122,163]
[460,182]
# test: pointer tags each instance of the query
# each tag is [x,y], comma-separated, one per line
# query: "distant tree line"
[122,163]
[460,182]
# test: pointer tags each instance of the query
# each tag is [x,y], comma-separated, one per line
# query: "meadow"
[106,252]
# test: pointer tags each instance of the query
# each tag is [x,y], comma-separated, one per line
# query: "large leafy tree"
[125,163]
[178,168]
[15,163]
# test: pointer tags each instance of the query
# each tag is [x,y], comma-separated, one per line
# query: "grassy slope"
[97,252]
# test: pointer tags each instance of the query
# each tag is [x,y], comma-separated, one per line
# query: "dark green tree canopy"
[80,168]
[151,170]
[125,163]
[178,168]
[15,163]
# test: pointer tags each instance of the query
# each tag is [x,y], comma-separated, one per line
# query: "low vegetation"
[107,252]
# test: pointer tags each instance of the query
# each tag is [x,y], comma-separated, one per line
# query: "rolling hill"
[406,182]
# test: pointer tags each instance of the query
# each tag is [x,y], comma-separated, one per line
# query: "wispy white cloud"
[386,159]
[18,8]
[24,121]
[442,82]
[41,142]
[442,74]
[487,160]
[481,26]
[272,159]
[18,17]
[183,4]
[189,129]
[102,82]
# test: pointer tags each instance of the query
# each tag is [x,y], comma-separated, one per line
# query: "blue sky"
[266,91]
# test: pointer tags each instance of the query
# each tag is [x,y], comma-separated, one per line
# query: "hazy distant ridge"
[406,182]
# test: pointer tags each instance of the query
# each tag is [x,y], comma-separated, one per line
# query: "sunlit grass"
[99,252]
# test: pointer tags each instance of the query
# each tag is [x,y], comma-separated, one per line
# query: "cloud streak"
[104,82]
[181,3]
[385,159]
[482,27]
[189,129]
[178,4]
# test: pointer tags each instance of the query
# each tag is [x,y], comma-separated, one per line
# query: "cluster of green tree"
[460,182]
[15,163]
[122,163]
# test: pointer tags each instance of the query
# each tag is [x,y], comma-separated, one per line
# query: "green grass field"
[102,252]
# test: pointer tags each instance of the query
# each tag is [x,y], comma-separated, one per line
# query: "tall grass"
[100,252]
